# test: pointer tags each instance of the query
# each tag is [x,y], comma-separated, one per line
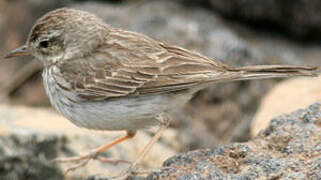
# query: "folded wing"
[131,64]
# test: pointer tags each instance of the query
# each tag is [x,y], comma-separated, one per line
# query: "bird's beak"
[20,51]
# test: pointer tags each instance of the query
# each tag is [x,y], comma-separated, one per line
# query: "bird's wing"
[131,64]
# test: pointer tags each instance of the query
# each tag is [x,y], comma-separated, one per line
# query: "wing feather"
[131,64]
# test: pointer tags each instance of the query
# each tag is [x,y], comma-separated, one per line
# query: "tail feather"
[272,71]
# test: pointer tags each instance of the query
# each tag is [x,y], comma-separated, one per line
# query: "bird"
[105,78]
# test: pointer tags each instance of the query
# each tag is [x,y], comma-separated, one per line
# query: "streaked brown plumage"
[101,77]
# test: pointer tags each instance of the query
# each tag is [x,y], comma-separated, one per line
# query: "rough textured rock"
[300,18]
[25,157]
[281,99]
[290,148]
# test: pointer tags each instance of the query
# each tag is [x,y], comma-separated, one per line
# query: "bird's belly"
[118,114]
[121,114]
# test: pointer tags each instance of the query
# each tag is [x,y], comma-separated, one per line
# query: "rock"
[32,137]
[24,157]
[284,98]
[300,18]
[288,149]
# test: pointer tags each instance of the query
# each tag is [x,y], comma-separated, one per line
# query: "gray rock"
[288,149]
[25,157]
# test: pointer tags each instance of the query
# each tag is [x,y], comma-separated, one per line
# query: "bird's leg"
[164,123]
[95,153]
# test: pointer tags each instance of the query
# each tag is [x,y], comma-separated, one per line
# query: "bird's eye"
[43,44]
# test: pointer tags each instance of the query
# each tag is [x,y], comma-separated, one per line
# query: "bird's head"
[63,34]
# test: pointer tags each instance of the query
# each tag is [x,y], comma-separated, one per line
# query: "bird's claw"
[84,160]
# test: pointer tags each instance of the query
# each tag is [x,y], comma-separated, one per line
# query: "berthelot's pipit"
[104,78]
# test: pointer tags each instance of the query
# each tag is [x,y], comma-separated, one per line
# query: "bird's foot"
[81,161]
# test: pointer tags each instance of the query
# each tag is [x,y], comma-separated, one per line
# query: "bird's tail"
[271,71]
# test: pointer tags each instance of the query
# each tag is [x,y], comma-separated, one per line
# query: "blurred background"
[239,33]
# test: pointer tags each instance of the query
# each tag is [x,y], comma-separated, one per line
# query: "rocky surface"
[290,148]
[25,157]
